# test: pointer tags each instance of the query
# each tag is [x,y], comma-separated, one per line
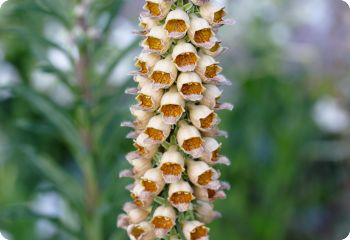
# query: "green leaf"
[187,6]
[68,186]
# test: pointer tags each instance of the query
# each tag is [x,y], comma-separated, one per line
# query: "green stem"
[180,3]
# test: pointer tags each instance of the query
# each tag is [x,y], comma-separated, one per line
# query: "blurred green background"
[61,146]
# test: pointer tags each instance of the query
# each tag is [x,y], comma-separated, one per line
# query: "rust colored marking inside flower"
[161,77]
[137,201]
[203,35]
[208,121]
[219,16]
[153,8]
[137,232]
[155,134]
[171,169]
[176,25]
[215,47]
[212,71]
[171,110]
[149,186]
[145,100]
[162,222]
[205,178]
[154,43]
[186,59]
[181,197]
[199,232]
[192,143]
[142,66]
[211,193]
[192,88]
[141,150]
[215,155]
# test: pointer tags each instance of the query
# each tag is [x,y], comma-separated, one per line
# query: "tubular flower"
[176,122]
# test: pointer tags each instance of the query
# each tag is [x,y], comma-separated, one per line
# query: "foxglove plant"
[176,122]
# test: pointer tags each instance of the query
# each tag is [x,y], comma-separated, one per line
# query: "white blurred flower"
[330,116]
[1,3]
[1,236]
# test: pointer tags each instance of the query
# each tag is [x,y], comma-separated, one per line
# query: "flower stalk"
[176,122]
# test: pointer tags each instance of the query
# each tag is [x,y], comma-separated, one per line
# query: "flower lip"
[177,23]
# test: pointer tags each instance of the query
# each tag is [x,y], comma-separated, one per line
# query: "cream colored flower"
[146,23]
[208,195]
[133,215]
[212,152]
[195,230]
[142,199]
[157,9]
[145,62]
[216,49]
[157,41]
[185,56]
[140,166]
[172,165]
[209,70]
[153,181]
[203,117]
[205,212]
[211,96]
[177,23]
[143,150]
[163,74]
[201,33]
[141,119]
[141,231]
[190,140]
[214,12]
[157,131]
[148,98]
[163,220]
[172,106]
[190,86]
[202,175]
[180,195]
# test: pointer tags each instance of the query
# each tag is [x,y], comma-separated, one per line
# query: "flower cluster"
[176,122]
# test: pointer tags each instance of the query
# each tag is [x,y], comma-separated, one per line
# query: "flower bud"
[200,33]
[180,195]
[203,117]
[164,74]
[208,195]
[149,98]
[177,23]
[157,9]
[190,140]
[156,130]
[212,152]
[202,175]
[172,106]
[157,41]
[205,212]
[190,86]
[214,12]
[195,230]
[145,151]
[172,165]
[216,49]
[163,220]
[153,181]
[141,231]
[145,62]
[185,56]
